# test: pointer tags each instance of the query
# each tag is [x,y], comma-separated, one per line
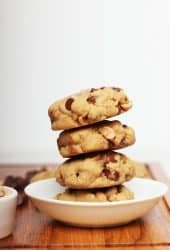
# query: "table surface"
[34,230]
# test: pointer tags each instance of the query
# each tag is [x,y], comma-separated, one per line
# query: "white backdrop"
[49,49]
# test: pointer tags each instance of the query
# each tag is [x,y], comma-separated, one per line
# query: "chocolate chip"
[16,182]
[119,188]
[69,103]
[85,118]
[93,89]
[124,126]
[30,174]
[116,175]
[123,141]
[119,108]
[114,99]
[21,198]
[91,99]
[122,108]
[110,158]
[116,89]
[111,144]
[19,183]
[111,174]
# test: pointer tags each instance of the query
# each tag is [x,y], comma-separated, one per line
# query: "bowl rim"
[97,204]
[10,196]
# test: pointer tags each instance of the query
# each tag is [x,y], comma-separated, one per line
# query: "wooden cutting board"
[34,230]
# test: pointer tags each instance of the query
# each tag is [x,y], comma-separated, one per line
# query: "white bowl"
[7,212]
[96,214]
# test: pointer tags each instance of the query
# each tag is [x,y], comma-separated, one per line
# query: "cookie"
[46,174]
[87,107]
[95,170]
[117,193]
[141,170]
[100,136]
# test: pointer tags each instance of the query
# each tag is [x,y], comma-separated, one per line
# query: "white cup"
[7,211]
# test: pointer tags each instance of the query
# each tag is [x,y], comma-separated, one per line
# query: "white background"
[49,49]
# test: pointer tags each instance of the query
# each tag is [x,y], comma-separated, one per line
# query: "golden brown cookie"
[117,193]
[45,174]
[141,170]
[95,170]
[97,137]
[87,107]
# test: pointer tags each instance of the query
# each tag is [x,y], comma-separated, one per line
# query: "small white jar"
[7,211]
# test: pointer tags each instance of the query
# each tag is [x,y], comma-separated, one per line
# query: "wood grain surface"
[34,230]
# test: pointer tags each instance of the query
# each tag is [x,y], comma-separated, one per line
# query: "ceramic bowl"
[96,214]
[7,211]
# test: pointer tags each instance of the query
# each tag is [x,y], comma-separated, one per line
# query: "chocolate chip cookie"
[45,174]
[97,137]
[141,170]
[118,193]
[95,170]
[87,107]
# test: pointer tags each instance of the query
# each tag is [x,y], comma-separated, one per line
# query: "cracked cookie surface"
[100,136]
[95,170]
[117,193]
[88,107]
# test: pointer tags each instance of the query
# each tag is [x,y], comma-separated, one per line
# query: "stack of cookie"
[94,172]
